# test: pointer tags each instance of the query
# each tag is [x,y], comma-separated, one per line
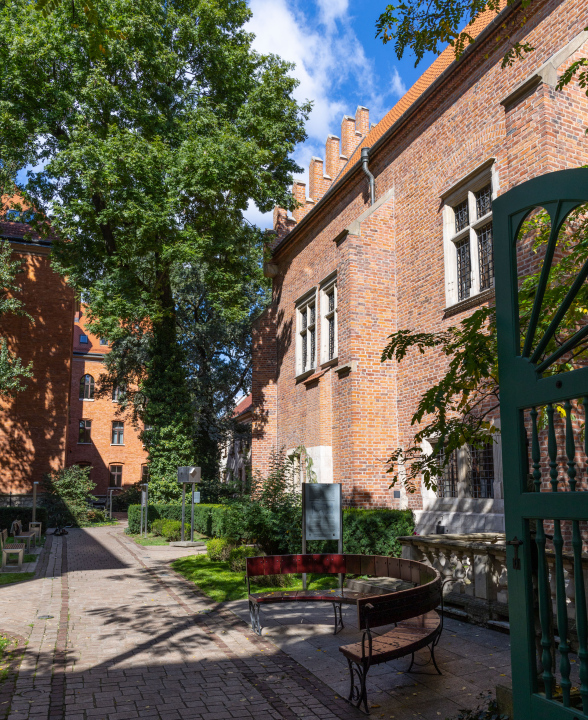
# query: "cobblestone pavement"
[128,638]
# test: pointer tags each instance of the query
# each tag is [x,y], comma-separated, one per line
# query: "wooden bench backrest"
[398,606]
[3,538]
[294,564]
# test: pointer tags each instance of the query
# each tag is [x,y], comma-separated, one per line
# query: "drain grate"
[45,617]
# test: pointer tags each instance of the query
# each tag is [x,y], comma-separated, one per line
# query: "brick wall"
[391,265]
[33,426]
[102,411]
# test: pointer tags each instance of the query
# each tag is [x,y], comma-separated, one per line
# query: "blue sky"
[339,63]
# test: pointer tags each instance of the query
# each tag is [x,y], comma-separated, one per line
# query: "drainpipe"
[365,156]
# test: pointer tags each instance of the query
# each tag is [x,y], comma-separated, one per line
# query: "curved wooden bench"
[412,611]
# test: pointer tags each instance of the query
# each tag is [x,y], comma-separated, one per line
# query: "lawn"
[8,578]
[158,540]
[220,583]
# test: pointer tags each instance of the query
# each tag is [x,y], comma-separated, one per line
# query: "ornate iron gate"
[543,369]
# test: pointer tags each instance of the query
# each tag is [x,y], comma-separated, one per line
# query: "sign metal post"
[35,501]
[322,516]
[188,475]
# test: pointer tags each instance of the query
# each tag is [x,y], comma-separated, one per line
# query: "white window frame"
[328,286]
[465,190]
[302,334]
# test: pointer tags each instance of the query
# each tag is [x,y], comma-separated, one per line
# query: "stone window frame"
[465,190]
[303,304]
[83,339]
[327,287]
[117,433]
[115,473]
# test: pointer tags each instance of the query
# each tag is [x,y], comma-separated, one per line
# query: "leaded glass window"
[447,483]
[86,387]
[85,432]
[329,325]
[483,201]
[486,256]
[482,471]
[115,472]
[307,337]
[118,430]
[462,216]
[464,280]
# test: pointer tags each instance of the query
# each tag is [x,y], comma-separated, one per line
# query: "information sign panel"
[196,496]
[322,511]
[189,474]
[143,498]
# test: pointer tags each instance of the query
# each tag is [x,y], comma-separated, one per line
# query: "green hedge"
[208,519]
[366,532]
[25,514]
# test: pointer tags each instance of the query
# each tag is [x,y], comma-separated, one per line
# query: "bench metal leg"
[338,617]
[357,687]
[254,615]
[431,649]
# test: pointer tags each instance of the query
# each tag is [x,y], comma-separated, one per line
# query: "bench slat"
[410,636]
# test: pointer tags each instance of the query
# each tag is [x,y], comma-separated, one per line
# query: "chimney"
[315,179]
[348,141]
[362,121]
[332,156]
[282,225]
[299,192]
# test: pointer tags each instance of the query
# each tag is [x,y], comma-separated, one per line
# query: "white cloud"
[330,64]
[397,87]
[263,220]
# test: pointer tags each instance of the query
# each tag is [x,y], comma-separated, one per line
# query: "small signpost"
[322,516]
[189,475]
[144,507]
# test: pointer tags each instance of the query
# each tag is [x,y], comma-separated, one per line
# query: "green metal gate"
[544,404]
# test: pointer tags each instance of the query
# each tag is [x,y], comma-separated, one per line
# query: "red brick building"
[33,425]
[355,263]
[60,419]
[101,433]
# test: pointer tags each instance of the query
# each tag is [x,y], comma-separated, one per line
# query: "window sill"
[329,363]
[463,305]
[87,399]
[117,445]
[305,374]
[84,443]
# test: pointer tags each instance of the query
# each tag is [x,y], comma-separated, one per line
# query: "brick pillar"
[315,179]
[362,120]
[264,391]
[332,155]
[348,143]
[299,192]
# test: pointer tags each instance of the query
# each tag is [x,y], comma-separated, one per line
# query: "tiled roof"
[243,405]
[437,68]
[19,230]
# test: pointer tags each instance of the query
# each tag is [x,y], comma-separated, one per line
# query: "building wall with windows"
[33,425]
[419,258]
[101,434]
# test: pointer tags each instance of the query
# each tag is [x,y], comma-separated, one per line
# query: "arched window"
[86,387]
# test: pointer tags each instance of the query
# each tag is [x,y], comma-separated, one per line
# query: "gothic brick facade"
[463,126]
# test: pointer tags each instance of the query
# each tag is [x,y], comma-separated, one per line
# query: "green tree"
[459,409]
[66,494]
[422,27]
[12,371]
[151,151]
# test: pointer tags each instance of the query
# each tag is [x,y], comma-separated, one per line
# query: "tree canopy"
[149,153]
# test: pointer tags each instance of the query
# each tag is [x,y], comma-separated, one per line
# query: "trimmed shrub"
[237,557]
[95,516]
[157,527]
[25,514]
[218,549]
[375,532]
[209,520]
[171,530]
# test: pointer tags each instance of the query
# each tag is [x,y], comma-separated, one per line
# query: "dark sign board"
[322,511]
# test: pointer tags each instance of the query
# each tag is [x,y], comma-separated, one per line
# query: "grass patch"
[8,578]
[220,583]
[158,540]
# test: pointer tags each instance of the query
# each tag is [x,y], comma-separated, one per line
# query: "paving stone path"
[125,637]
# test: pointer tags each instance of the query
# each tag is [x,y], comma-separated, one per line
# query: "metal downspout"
[365,156]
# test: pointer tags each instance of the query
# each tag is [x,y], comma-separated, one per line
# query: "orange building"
[100,433]
[33,425]
[60,419]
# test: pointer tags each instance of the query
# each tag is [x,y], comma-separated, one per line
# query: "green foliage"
[12,371]
[171,530]
[25,514]
[376,532]
[96,516]
[218,549]
[157,527]
[66,495]
[129,496]
[176,127]
[209,520]
[238,555]
[486,710]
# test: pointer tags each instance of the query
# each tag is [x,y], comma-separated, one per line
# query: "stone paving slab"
[129,638]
